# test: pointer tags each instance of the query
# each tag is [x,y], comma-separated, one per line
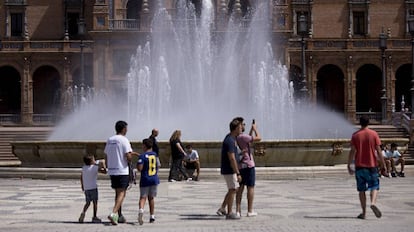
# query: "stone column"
[26,94]
[350,86]
[145,22]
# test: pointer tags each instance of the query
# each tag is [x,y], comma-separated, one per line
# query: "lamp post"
[81,33]
[411,30]
[303,31]
[383,46]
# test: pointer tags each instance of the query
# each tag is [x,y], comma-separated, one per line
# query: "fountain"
[186,77]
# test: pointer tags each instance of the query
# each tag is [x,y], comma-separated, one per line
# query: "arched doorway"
[133,9]
[403,86]
[330,87]
[10,93]
[368,89]
[46,91]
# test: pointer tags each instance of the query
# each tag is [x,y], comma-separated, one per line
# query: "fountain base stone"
[274,153]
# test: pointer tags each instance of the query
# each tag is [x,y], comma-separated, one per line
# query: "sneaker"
[401,174]
[121,219]
[393,174]
[221,212]
[171,180]
[140,220]
[152,219]
[113,217]
[189,179]
[232,216]
[251,214]
[81,217]
[96,220]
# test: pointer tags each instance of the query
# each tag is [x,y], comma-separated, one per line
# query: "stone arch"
[133,9]
[46,90]
[10,90]
[403,86]
[330,87]
[246,6]
[368,88]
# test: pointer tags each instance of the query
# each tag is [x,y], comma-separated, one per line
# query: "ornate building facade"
[336,60]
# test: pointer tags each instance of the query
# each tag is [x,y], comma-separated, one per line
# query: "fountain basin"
[309,152]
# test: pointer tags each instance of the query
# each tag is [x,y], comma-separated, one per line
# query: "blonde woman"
[177,156]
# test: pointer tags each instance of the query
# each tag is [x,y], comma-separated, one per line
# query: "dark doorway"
[46,90]
[368,89]
[330,88]
[10,91]
[403,86]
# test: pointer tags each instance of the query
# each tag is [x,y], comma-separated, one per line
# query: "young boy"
[89,184]
[148,164]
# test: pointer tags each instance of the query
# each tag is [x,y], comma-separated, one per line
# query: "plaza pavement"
[287,199]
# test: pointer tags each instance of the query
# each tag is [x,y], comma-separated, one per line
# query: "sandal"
[376,211]
[361,216]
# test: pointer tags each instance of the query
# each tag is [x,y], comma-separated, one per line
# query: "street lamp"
[303,31]
[383,46]
[411,30]
[81,33]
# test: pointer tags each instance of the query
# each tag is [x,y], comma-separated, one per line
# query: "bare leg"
[374,194]
[86,206]
[363,201]
[142,202]
[119,199]
[250,197]
[239,195]
[151,203]
[402,162]
[230,200]
[95,208]
[197,164]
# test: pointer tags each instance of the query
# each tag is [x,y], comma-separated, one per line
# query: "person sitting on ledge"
[396,158]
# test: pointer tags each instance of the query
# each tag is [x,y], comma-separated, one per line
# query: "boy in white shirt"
[89,184]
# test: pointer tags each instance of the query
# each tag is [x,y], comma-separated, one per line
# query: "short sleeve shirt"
[90,175]
[244,140]
[229,145]
[116,149]
[149,172]
[365,142]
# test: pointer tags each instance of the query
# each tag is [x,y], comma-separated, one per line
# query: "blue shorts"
[120,182]
[91,195]
[367,179]
[248,176]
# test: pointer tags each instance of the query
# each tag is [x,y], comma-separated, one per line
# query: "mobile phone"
[253,121]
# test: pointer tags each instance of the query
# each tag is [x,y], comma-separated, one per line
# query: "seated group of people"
[393,158]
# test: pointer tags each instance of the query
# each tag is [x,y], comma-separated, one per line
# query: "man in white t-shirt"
[118,153]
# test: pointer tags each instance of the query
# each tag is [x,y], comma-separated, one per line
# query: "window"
[73,20]
[359,23]
[16,24]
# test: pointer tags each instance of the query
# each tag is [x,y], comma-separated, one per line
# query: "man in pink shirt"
[364,143]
